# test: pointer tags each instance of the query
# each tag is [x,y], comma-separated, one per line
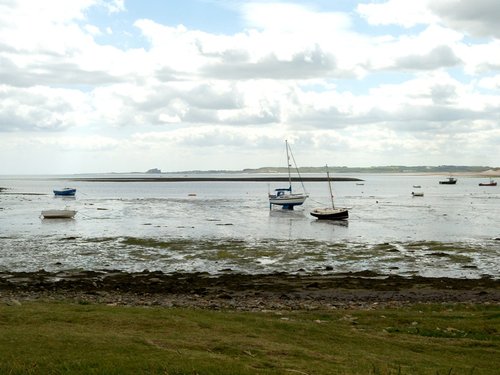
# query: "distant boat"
[417,194]
[449,181]
[417,186]
[65,192]
[330,213]
[58,214]
[284,197]
[491,183]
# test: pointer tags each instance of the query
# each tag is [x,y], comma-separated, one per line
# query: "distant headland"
[374,169]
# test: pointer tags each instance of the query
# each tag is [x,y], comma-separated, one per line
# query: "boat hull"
[330,213]
[488,184]
[58,214]
[65,192]
[287,201]
[449,181]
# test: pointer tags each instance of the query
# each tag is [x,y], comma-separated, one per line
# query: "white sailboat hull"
[58,214]
[288,199]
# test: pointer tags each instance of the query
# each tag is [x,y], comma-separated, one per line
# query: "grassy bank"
[72,338]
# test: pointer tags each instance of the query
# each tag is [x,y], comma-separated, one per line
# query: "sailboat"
[330,213]
[285,197]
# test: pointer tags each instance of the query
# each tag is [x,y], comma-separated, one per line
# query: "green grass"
[72,338]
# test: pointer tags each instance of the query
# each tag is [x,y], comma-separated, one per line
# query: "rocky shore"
[243,292]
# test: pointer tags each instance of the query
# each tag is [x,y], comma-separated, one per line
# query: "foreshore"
[242,292]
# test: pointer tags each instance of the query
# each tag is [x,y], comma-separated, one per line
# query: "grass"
[71,338]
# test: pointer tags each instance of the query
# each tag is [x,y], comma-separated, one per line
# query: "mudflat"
[278,291]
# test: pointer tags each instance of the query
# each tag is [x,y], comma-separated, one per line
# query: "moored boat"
[491,183]
[284,197]
[417,194]
[58,214]
[65,192]
[449,181]
[330,213]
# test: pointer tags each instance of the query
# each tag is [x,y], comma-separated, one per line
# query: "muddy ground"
[243,292]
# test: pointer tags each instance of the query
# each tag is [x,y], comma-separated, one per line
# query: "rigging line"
[315,201]
[297,169]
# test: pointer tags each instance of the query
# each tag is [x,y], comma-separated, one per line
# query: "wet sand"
[244,292]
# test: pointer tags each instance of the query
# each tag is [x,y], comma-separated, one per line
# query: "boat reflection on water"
[335,223]
[65,197]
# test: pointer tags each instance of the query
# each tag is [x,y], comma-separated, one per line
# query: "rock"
[13,302]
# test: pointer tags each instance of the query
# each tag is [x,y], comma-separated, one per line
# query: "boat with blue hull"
[65,192]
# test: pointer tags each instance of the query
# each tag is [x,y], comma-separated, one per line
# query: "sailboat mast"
[329,185]
[288,166]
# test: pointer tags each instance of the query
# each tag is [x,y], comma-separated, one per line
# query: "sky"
[96,86]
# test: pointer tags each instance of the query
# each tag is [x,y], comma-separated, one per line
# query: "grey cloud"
[51,74]
[203,96]
[303,65]
[419,119]
[439,57]
[197,105]
[330,118]
[478,17]
[237,141]
[166,74]
[437,119]
[487,66]
[21,110]
[34,119]
[443,94]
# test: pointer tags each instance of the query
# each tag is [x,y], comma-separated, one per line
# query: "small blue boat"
[65,192]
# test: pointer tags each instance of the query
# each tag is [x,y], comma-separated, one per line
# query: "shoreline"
[212,179]
[279,291]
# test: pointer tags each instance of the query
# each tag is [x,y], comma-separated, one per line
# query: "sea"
[227,226]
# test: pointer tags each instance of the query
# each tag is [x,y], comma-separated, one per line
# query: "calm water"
[133,226]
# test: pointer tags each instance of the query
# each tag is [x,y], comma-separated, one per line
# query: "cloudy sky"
[129,85]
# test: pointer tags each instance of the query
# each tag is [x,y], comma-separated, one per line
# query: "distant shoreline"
[211,179]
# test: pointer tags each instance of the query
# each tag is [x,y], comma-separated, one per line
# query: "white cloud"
[397,12]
